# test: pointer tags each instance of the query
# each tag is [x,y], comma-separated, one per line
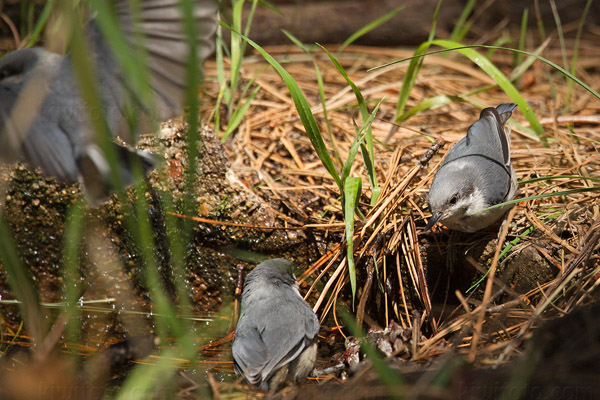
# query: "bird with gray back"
[476,174]
[44,120]
[276,335]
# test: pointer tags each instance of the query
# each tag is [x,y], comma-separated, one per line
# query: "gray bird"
[475,174]
[276,334]
[43,119]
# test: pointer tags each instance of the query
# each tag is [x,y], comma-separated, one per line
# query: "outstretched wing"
[167,46]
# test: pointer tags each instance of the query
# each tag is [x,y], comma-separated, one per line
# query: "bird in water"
[276,336]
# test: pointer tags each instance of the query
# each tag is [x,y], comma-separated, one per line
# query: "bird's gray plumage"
[277,330]
[475,174]
[43,119]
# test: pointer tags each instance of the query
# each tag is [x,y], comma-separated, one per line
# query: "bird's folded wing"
[487,138]
[250,354]
[47,147]
[294,326]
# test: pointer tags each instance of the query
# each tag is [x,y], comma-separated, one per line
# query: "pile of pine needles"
[557,211]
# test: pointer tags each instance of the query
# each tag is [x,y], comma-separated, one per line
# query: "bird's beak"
[435,217]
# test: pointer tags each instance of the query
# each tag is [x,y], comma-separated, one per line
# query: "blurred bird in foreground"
[276,336]
[44,121]
[476,174]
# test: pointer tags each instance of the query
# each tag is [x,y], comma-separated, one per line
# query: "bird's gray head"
[17,65]
[275,271]
[453,199]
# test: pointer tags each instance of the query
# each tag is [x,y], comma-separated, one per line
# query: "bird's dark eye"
[453,200]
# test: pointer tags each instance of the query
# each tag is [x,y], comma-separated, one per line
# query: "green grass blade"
[462,27]
[434,21]
[239,113]
[438,101]
[545,60]
[430,103]
[303,108]
[20,280]
[369,27]
[554,177]
[352,191]
[501,41]
[351,155]
[368,131]
[544,196]
[480,59]
[321,85]
[410,78]
[502,81]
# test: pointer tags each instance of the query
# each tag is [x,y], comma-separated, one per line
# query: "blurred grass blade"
[352,191]
[86,78]
[559,30]
[71,251]
[522,36]
[41,23]
[20,280]
[303,108]
[192,103]
[236,50]
[141,384]
[576,53]
[131,60]
[220,65]
[369,27]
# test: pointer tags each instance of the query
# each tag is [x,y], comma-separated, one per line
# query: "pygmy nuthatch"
[275,338]
[44,120]
[476,174]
